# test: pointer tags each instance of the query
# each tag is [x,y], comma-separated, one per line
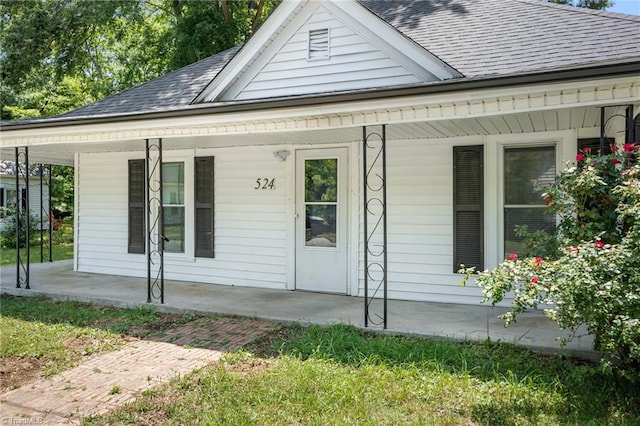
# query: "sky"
[626,6]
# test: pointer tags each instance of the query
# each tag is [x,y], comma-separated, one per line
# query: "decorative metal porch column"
[629,122]
[375,225]
[154,226]
[22,216]
[45,178]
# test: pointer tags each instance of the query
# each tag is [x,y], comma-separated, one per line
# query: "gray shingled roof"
[498,37]
[479,38]
[167,92]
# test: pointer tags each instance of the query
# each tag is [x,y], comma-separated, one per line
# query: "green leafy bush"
[8,228]
[588,272]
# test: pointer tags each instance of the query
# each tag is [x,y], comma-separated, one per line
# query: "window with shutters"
[526,170]
[468,184]
[181,218]
[318,47]
[137,219]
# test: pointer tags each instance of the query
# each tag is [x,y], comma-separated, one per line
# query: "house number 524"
[265,183]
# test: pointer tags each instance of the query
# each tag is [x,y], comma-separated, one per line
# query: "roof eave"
[601,70]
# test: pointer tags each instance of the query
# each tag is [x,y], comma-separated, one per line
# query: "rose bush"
[588,272]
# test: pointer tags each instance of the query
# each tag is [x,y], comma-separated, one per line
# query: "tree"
[57,55]
[590,270]
[203,28]
[589,4]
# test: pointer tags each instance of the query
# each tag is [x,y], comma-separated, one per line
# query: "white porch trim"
[409,109]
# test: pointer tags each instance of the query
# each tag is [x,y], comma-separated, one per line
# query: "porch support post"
[22,216]
[50,215]
[603,136]
[630,131]
[45,212]
[375,225]
[154,225]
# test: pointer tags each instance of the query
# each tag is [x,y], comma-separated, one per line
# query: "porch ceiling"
[525,122]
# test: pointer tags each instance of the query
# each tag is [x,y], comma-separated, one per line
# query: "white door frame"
[354,178]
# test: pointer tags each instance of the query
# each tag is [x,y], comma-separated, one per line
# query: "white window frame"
[189,220]
[565,145]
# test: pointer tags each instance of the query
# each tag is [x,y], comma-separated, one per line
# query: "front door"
[321,226]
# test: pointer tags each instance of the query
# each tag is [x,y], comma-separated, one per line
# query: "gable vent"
[319,44]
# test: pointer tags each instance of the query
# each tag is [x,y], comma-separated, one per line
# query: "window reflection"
[321,226]
[321,202]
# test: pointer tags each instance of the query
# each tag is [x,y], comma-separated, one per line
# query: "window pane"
[173,206]
[536,219]
[173,183]
[523,167]
[321,226]
[174,229]
[321,180]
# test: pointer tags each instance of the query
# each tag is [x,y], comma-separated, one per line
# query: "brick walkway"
[106,381]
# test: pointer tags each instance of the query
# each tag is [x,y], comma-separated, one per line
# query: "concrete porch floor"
[58,280]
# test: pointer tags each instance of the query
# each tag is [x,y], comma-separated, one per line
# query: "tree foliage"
[57,55]
[589,4]
[589,270]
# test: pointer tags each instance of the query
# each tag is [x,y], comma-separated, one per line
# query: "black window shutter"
[204,206]
[468,184]
[1,197]
[594,145]
[137,223]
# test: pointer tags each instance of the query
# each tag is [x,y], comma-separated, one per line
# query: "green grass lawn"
[342,375]
[62,246]
[339,375]
[59,251]
[58,334]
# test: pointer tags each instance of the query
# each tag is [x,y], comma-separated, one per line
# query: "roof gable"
[355,50]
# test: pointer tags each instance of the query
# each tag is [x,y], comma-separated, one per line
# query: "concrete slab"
[471,322]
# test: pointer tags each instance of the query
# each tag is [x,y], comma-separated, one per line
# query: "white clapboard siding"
[420,225]
[353,63]
[8,186]
[250,225]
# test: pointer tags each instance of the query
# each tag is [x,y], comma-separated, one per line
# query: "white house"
[38,194]
[263,146]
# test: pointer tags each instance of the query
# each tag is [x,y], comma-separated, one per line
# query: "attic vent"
[319,44]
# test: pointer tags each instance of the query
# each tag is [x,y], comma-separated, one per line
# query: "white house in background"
[8,195]
[263,144]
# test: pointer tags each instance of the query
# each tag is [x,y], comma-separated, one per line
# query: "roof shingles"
[478,38]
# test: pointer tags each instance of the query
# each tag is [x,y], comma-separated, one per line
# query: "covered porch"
[476,323]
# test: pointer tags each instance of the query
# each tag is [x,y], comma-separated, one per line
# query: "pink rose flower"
[579,157]
[599,244]
[538,260]
[513,256]
[534,280]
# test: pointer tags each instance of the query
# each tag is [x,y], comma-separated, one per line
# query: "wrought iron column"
[375,225]
[154,225]
[22,214]
[45,211]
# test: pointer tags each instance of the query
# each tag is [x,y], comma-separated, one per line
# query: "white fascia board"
[384,36]
[258,41]
[407,109]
